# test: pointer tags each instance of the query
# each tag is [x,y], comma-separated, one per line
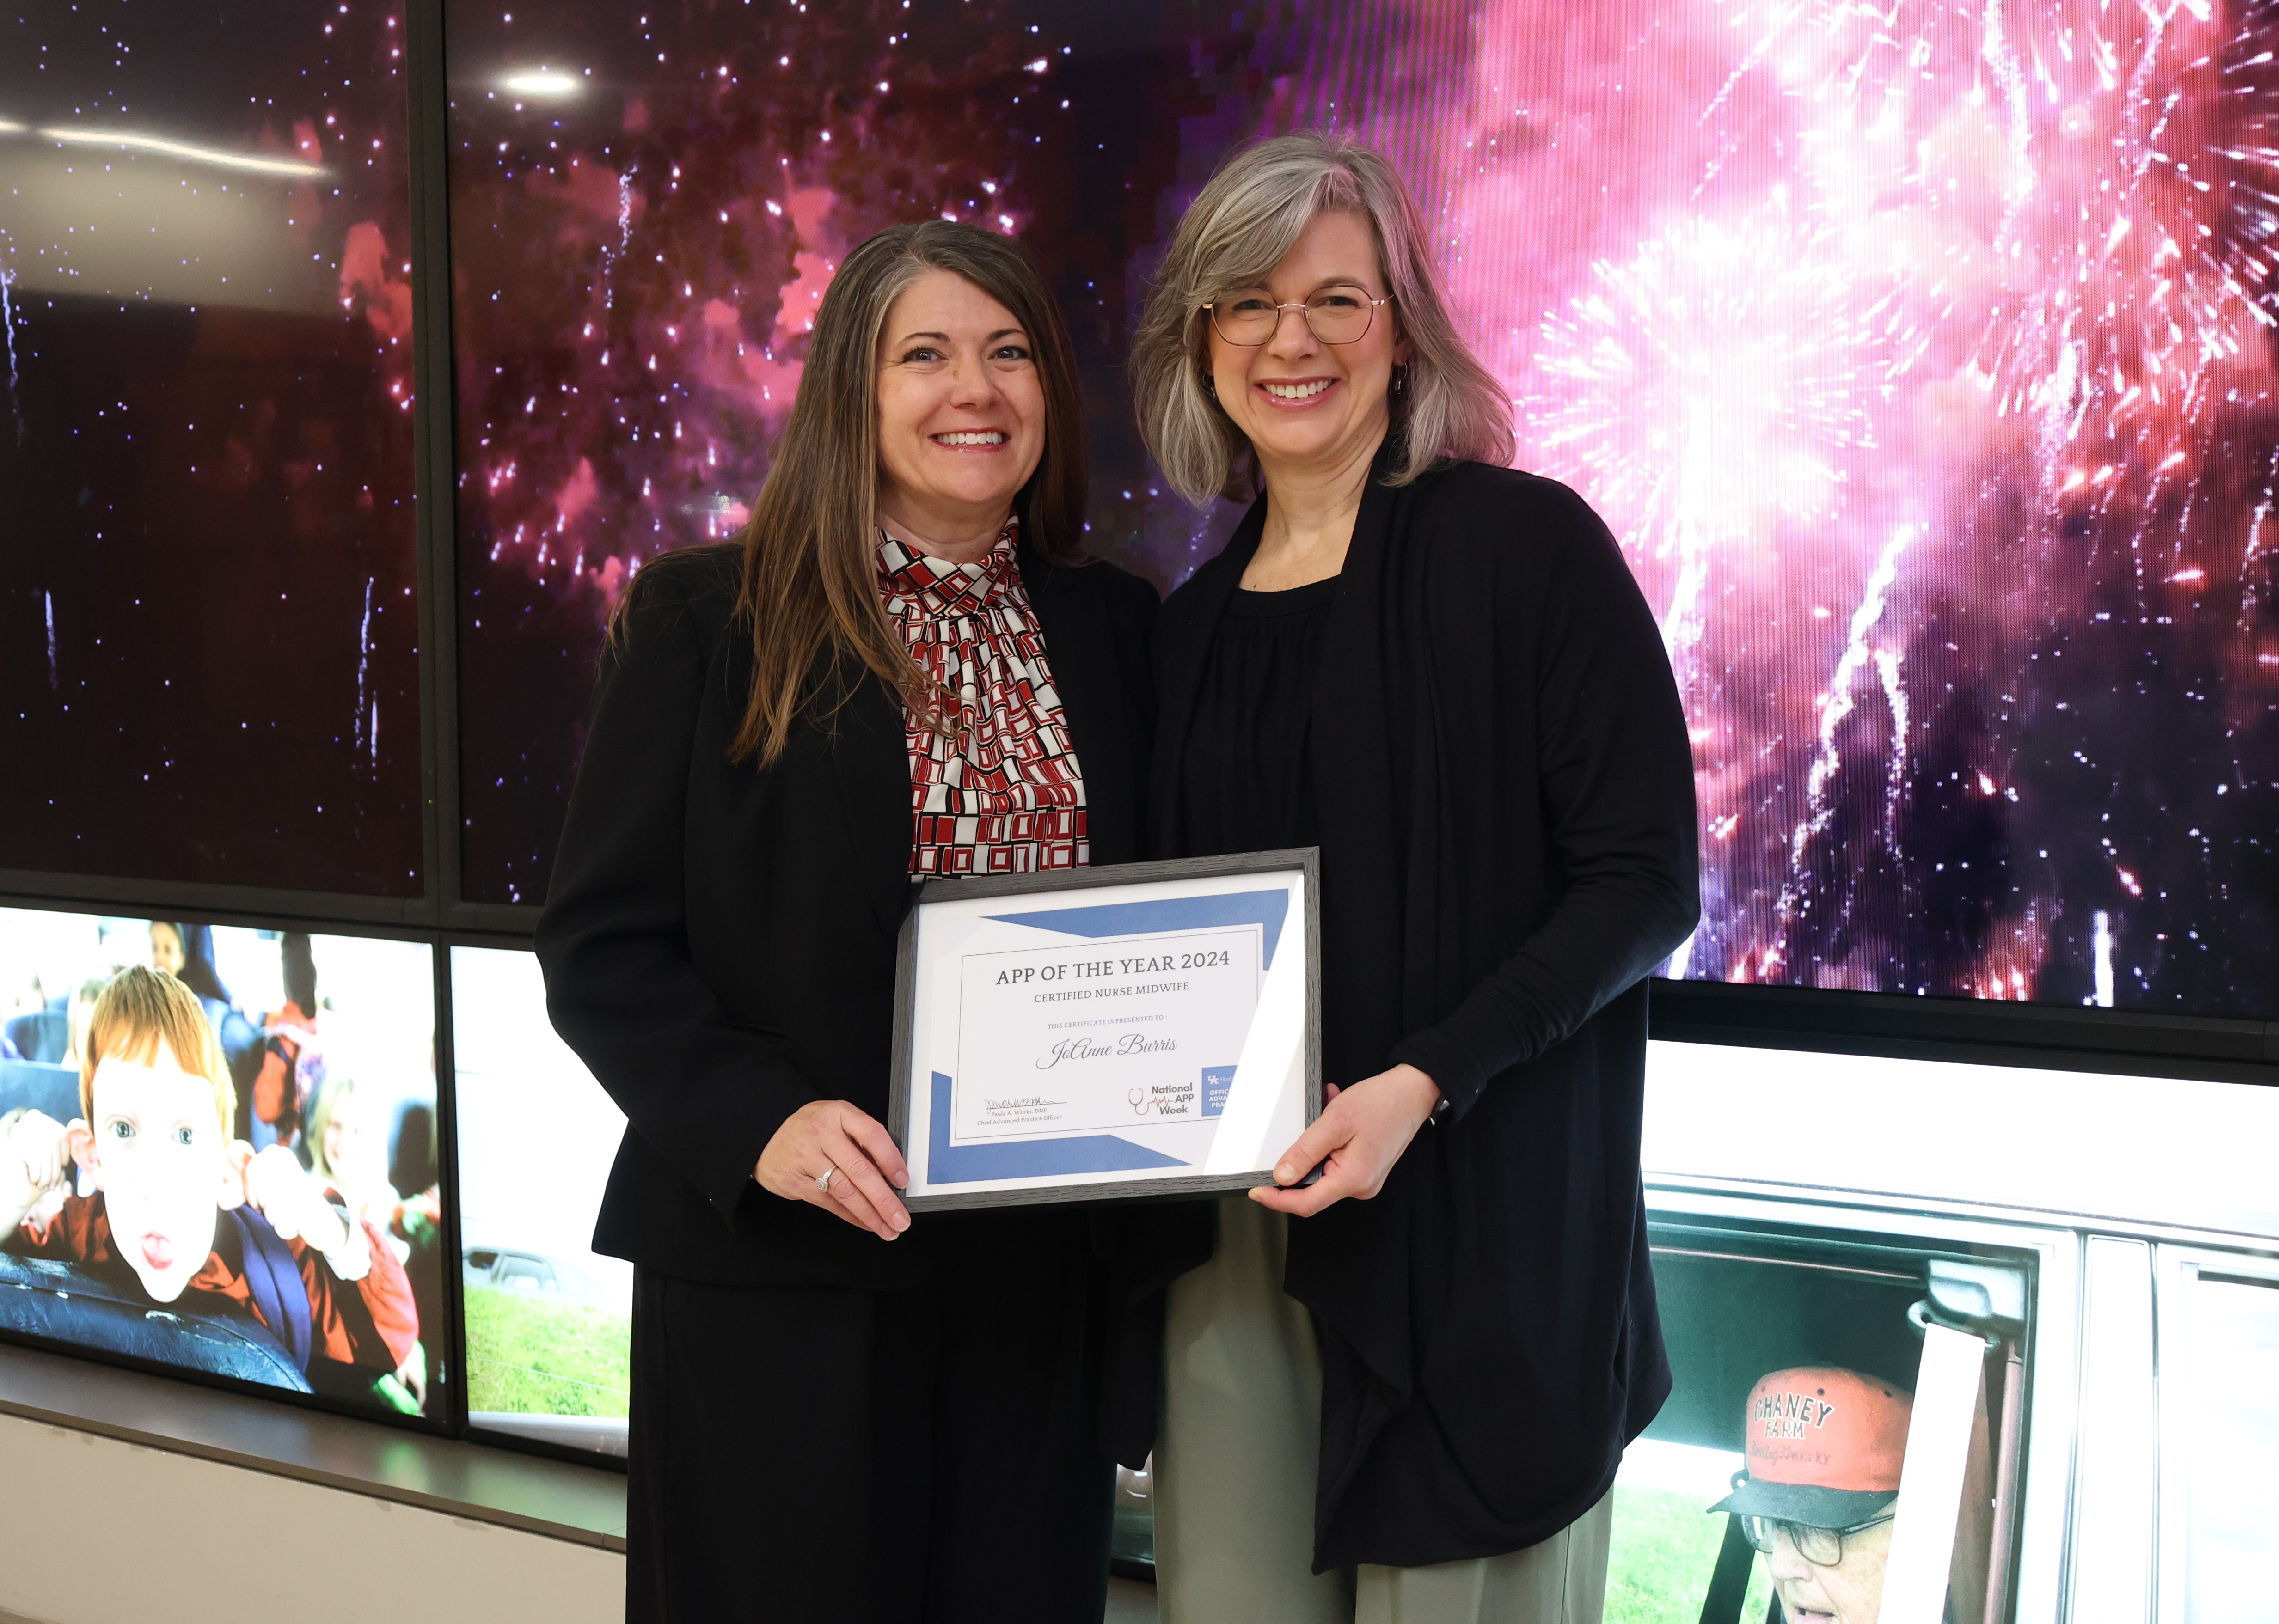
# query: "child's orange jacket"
[372,1323]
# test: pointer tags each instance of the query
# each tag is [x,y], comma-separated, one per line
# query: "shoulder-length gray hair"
[1248,218]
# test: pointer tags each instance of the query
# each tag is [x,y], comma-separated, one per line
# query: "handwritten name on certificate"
[1103,1034]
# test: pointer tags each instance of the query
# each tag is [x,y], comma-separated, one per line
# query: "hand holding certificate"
[1362,1130]
[1097,1032]
[832,1155]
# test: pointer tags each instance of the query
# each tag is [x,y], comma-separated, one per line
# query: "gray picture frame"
[1306,860]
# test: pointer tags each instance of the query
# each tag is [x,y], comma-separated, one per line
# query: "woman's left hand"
[1358,1137]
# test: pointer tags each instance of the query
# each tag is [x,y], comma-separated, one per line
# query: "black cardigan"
[719,941]
[1509,847]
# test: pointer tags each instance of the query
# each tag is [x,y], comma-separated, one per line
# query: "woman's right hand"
[866,1169]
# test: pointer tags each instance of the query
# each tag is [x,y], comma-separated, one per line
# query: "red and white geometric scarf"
[1000,792]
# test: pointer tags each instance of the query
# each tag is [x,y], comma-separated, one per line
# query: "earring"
[1400,385]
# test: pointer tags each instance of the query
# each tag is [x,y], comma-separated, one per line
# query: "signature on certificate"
[1092,1048]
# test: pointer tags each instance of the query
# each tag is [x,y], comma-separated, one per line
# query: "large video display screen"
[549,1320]
[208,632]
[1921,355]
[218,1151]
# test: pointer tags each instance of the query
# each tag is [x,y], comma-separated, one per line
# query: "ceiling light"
[253,163]
[542,82]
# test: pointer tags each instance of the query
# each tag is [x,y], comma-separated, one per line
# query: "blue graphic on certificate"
[1114,1034]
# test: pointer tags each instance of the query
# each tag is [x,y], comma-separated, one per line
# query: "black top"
[718,940]
[1506,823]
[1248,779]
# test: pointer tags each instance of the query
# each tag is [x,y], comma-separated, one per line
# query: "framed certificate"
[1145,1029]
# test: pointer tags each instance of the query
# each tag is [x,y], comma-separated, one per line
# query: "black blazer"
[719,941]
[1506,806]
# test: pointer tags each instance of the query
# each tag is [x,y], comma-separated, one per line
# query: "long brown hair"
[810,573]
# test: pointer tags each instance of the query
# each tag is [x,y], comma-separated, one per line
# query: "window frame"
[2177,1267]
[2038,1571]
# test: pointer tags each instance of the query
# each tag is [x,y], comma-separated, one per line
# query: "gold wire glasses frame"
[1336,315]
[1820,1547]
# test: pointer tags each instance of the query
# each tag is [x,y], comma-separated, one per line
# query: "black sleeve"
[707,1094]
[1617,775]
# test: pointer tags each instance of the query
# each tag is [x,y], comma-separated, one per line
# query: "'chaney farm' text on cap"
[1824,1447]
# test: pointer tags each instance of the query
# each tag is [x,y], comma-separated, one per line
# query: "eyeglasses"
[1336,315]
[1820,1547]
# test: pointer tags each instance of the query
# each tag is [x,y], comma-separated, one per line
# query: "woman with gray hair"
[1409,1402]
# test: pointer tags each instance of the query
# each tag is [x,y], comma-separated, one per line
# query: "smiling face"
[1307,406]
[353,1142]
[961,413]
[1851,1592]
[155,1148]
[165,947]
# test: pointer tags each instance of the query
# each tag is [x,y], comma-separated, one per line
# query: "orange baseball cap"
[1824,1447]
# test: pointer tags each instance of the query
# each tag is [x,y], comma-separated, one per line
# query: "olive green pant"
[1235,1466]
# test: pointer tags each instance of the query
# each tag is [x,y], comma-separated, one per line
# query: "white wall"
[95,1531]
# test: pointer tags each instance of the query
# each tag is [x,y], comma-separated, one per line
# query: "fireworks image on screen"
[208,626]
[1937,415]
[1920,353]
[648,209]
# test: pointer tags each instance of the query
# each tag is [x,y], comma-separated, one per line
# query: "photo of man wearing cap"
[1821,1487]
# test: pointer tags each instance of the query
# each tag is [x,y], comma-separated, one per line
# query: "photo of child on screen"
[192,1211]
[290,1062]
[346,1147]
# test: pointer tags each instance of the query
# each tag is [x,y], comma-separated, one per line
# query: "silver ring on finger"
[822,1179]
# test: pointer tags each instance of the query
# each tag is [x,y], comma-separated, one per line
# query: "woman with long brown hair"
[907,668]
